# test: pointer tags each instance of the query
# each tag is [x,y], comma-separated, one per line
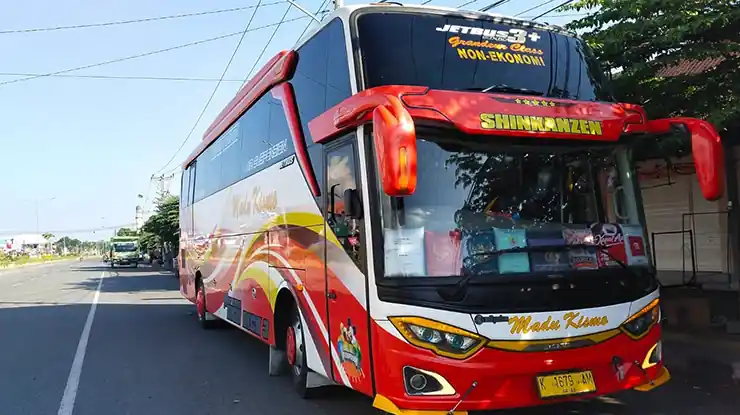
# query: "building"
[27,243]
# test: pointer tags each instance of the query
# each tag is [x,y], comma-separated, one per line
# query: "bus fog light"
[419,382]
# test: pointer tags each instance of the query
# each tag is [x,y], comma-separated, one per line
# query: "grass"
[6,261]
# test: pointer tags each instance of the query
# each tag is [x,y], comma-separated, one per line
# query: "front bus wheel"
[295,351]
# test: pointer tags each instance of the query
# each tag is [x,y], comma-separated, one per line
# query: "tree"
[163,227]
[646,38]
[48,236]
[126,232]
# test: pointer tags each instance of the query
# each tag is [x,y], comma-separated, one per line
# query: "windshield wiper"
[467,275]
[509,89]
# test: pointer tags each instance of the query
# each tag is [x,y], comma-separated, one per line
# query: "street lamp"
[37,209]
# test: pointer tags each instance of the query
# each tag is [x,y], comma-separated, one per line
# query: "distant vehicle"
[124,250]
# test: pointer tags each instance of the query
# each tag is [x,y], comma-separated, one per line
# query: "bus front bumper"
[506,379]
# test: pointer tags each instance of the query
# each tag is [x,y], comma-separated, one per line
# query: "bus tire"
[295,352]
[200,306]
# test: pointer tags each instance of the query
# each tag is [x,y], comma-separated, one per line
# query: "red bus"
[437,208]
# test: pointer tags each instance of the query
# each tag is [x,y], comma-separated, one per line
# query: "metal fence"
[705,252]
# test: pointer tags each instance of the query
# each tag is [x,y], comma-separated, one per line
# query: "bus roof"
[271,73]
[124,238]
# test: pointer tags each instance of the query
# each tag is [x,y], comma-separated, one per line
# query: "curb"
[14,267]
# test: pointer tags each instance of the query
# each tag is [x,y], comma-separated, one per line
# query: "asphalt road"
[143,353]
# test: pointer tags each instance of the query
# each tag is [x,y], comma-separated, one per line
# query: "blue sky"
[92,144]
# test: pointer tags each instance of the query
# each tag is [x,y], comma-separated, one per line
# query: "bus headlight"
[440,338]
[641,322]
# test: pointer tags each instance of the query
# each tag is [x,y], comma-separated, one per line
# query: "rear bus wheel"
[200,307]
[295,351]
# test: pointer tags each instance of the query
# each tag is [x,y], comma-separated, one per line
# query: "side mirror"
[706,147]
[352,204]
[709,158]
[395,147]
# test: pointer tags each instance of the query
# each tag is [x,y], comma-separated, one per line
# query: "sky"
[83,149]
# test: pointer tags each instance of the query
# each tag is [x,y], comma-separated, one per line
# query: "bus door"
[346,268]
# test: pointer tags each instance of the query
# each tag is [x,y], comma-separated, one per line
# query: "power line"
[559,15]
[256,61]
[535,7]
[465,4]
[305,29]
[223,74]
[143,20]
[70,231]
[565,3]
[494,5]
[141,55]
[115,77]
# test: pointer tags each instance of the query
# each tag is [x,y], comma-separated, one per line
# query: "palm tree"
[48,236]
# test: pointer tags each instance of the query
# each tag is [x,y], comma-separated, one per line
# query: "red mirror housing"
[706,147]
[395,147]
[709,157]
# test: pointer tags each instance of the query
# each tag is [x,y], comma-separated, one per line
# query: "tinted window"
[279,132]
[315,154]
[193,170]
[214,166]
[453,53]
[230,156]
[184,187]
[257,140]
[205,177]
[321,78]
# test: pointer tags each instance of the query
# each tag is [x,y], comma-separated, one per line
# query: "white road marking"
[73,381]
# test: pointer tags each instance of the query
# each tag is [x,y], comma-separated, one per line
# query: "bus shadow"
[117,282]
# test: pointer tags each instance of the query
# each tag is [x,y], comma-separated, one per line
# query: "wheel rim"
[290,346]
[200,304]
[294,347]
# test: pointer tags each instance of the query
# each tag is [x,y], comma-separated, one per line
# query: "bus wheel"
[200,307]
[295,352]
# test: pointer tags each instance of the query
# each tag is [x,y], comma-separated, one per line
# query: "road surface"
[141,352]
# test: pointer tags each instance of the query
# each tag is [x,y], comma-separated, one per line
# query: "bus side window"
[184,187]
[321,78]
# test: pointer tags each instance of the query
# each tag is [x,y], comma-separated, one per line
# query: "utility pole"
[36,206]
[162,184]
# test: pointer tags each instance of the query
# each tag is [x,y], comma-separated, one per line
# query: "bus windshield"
[473,201]
[455,53]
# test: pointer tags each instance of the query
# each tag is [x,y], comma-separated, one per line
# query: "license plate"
[565,384]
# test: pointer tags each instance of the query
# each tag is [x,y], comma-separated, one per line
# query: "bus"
[124,250]
[437,208]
